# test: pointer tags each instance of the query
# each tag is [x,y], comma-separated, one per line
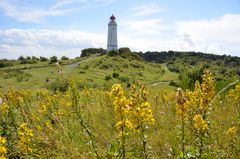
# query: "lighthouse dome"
[112,17]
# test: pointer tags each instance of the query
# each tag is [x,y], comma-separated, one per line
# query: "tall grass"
[125,122]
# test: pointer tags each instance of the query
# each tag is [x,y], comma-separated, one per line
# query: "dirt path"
[159,82]
[73,65]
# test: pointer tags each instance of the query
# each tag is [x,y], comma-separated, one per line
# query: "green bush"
[175,84]
[112,53]
[58,84]
[124,79]
[107,77]
[85,67]
[115,75]
[53,59]
[64,58]
[91,51]
[82,72]
[140,74]
[43,59]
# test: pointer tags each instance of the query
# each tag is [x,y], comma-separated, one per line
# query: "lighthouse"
[112,34]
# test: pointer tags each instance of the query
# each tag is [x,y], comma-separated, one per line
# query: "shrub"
[21,58]
[43,59]
[5,64]
[107,77]
[115,75]
[86,67]
[21,78]
[82,72]
[24,62]
[140,74]
[64,58]
[31,61]
[175,84]
[104,66]
[53,59]
[58,84]
[91,51]
[124,79]
[112,53]
[34,58]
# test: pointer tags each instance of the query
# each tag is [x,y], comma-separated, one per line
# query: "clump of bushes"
[18,74]
[115,75]
[64,58]
[107,77]
[53,59]
[91,51]
[58,84]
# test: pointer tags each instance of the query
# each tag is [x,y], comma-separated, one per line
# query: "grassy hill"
[91,119]
[191,64]
[180,69]
[94,71]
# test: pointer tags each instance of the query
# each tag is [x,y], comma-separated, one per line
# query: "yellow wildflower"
[207,86]
[5,108]
[181,104]
[232,131]
[234,94]
[199,123]
[49,125]
[25,135]
[121,104]
[3,149]
[140,109]
[117,90]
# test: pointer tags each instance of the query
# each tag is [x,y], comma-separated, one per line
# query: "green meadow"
[120,106]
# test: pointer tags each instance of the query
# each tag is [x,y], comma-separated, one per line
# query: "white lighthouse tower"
[112,34]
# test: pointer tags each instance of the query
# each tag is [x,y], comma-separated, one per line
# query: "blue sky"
[64,27]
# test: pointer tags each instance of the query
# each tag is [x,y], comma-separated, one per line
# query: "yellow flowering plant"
[232,131]
[141,114]
[206,93]
[121,108]
[232,146]
[199,123]
[25,140]
[181,108]
[234,96]
[3,149]
[132,113]
[195,109]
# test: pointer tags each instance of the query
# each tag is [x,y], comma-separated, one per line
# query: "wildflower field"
[122,122]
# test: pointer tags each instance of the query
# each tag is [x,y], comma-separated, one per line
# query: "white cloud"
[145,26]
[147,9]
[33,11]
[144,20]
[28,13]
[217,35]
[16,42]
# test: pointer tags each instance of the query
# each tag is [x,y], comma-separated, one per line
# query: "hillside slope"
[226,68]
[101,72]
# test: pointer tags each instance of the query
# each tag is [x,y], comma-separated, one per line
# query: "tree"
[64,58]
[53,59]
[21,58]
[112,53]
[43,59]
[124,50]
[91,51]
[34,58]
